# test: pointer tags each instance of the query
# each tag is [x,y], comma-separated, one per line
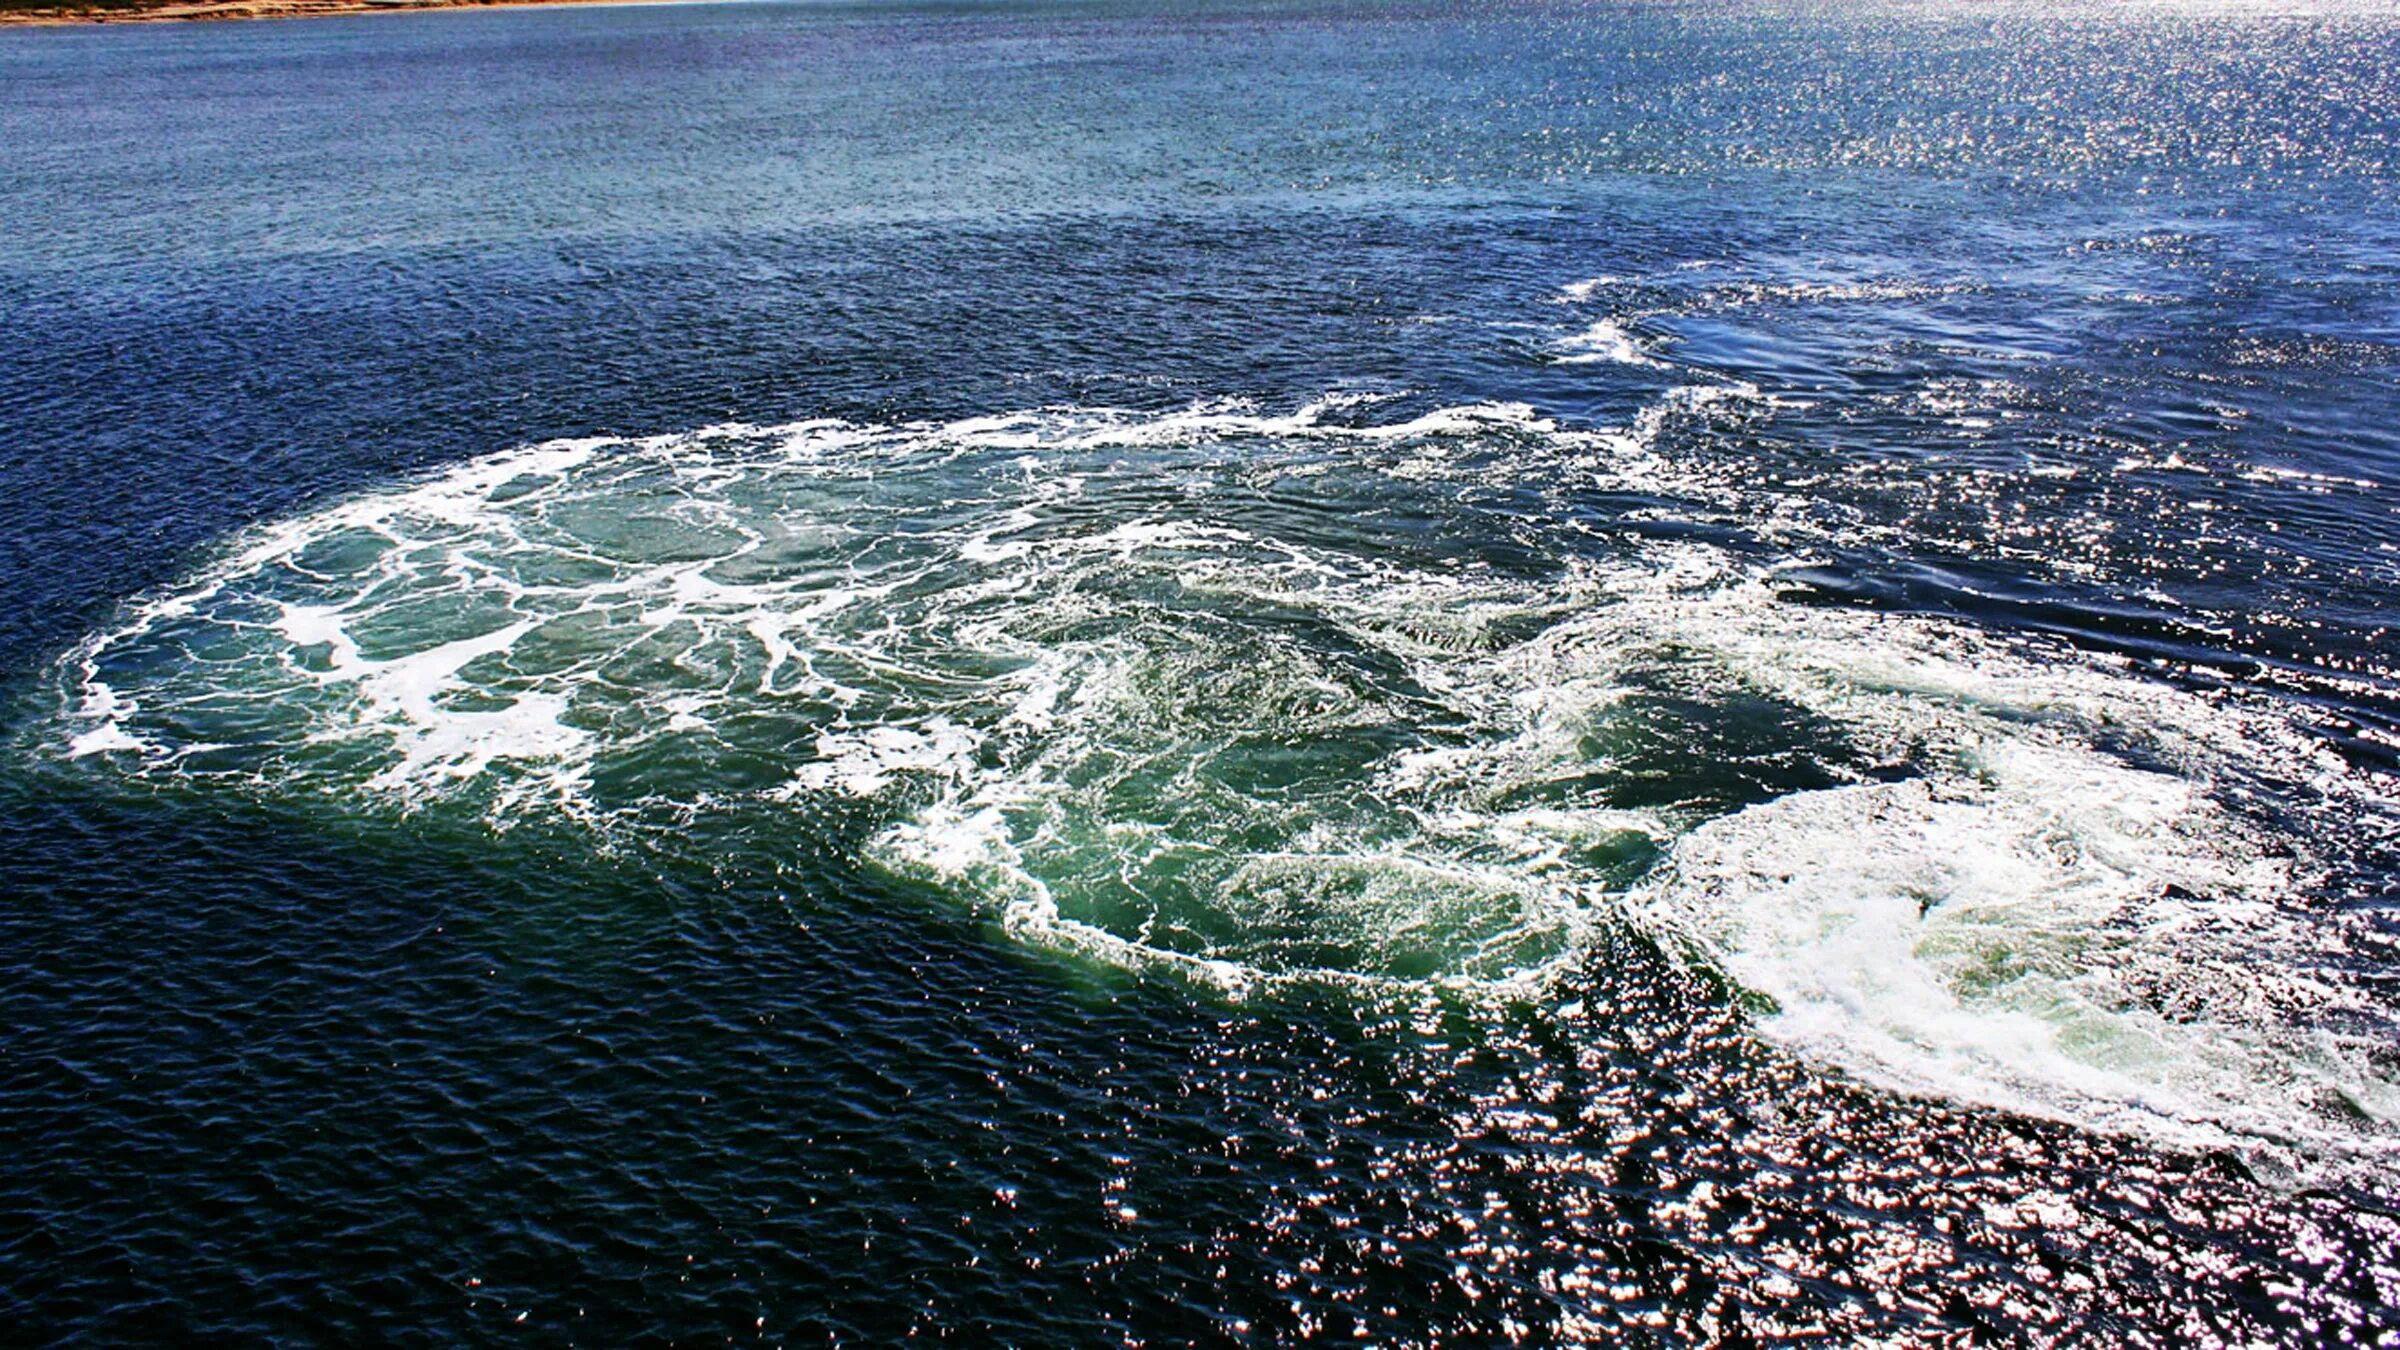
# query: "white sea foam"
[102,737]
[2069,937]
[1111,678]
[1606,341]
[1576,292]
[864,762]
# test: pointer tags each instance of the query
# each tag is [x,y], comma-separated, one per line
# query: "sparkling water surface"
[1168,673]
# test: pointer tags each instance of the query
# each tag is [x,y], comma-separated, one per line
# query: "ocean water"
[1164,673]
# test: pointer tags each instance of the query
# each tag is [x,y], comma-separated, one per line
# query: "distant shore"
[178,11]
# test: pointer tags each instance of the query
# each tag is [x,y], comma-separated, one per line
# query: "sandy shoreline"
[182,11]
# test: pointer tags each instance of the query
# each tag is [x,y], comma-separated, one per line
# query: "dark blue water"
[1166,673]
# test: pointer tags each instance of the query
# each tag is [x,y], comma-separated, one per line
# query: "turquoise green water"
[1171,692]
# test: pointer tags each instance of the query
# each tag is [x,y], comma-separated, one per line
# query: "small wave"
[1576,292]
[1606,341]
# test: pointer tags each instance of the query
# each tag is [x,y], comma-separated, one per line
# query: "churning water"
[1585,673]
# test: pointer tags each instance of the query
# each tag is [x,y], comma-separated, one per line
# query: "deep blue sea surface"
[1131,672]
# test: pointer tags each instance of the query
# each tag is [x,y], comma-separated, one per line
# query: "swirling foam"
[1262,697]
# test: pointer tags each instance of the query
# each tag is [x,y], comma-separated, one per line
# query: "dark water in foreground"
[1165,673]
